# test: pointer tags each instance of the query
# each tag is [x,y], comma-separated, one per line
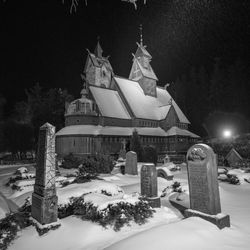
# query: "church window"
[77,106]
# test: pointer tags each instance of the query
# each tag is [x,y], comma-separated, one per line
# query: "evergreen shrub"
[10,225]
[70,161]
[115,215]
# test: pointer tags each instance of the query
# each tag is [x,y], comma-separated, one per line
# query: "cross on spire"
[98,49]
[141,38]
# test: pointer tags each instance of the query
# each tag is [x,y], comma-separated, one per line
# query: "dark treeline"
[210,99]
[19,131]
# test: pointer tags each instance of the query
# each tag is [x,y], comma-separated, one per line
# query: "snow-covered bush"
[21,170]
[13,179]
[70,161]
[92,164]
[175,187]
[115,215]
[10,225]
[233,179]
[230,178]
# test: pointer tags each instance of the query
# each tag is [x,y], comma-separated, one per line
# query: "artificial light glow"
[227,133]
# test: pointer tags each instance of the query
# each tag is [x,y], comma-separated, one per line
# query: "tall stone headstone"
[131,163]
[149,185]
[203,184]
[44,199]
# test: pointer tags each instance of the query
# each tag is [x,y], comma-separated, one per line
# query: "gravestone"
[44,199]
[166,159]
[203,185]
[131,163]
[149,189]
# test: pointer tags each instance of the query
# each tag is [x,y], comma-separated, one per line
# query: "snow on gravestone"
[131,163]
[44,199]
[149,189]
[203,185]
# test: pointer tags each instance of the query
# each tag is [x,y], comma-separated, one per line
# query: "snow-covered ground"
[166,230]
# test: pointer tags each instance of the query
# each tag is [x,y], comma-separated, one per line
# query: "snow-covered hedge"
[115,214]
[92,164]
[10,225]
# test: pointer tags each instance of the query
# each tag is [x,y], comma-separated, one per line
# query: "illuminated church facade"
[111,107]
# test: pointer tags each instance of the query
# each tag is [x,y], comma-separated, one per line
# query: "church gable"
[170,120]
[142,71]
[90,71]
[135,73]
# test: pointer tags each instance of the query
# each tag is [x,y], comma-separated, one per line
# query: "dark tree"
[42,106]
[18,138]
[136,146]
[150,154]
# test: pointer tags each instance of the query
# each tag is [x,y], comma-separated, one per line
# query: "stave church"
[111,108]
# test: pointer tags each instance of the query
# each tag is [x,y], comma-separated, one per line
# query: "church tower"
[142,71]
[98,70]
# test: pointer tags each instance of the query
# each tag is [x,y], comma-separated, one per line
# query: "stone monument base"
[44,209]
[220,220]
[153,201]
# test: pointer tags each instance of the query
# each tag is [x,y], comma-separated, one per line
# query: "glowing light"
[227,133]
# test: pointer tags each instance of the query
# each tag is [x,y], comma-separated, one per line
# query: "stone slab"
[202,179]
[44,200]
[131,163]
[44,210]
[220,220]
[149,181]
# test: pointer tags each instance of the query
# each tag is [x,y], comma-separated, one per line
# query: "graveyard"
[132,209]
[125,125]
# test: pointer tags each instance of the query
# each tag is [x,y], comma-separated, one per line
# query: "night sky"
[42,42]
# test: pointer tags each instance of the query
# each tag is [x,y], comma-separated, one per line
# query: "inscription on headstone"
[202,178]
[44,199]
[149,185]
[131,163]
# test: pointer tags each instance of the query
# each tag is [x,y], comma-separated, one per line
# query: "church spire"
[98,49]
[141,37]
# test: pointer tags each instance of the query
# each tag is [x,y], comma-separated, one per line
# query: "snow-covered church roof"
[109,130]
[109,103]
[148,107]
[122,131]
[182,132]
